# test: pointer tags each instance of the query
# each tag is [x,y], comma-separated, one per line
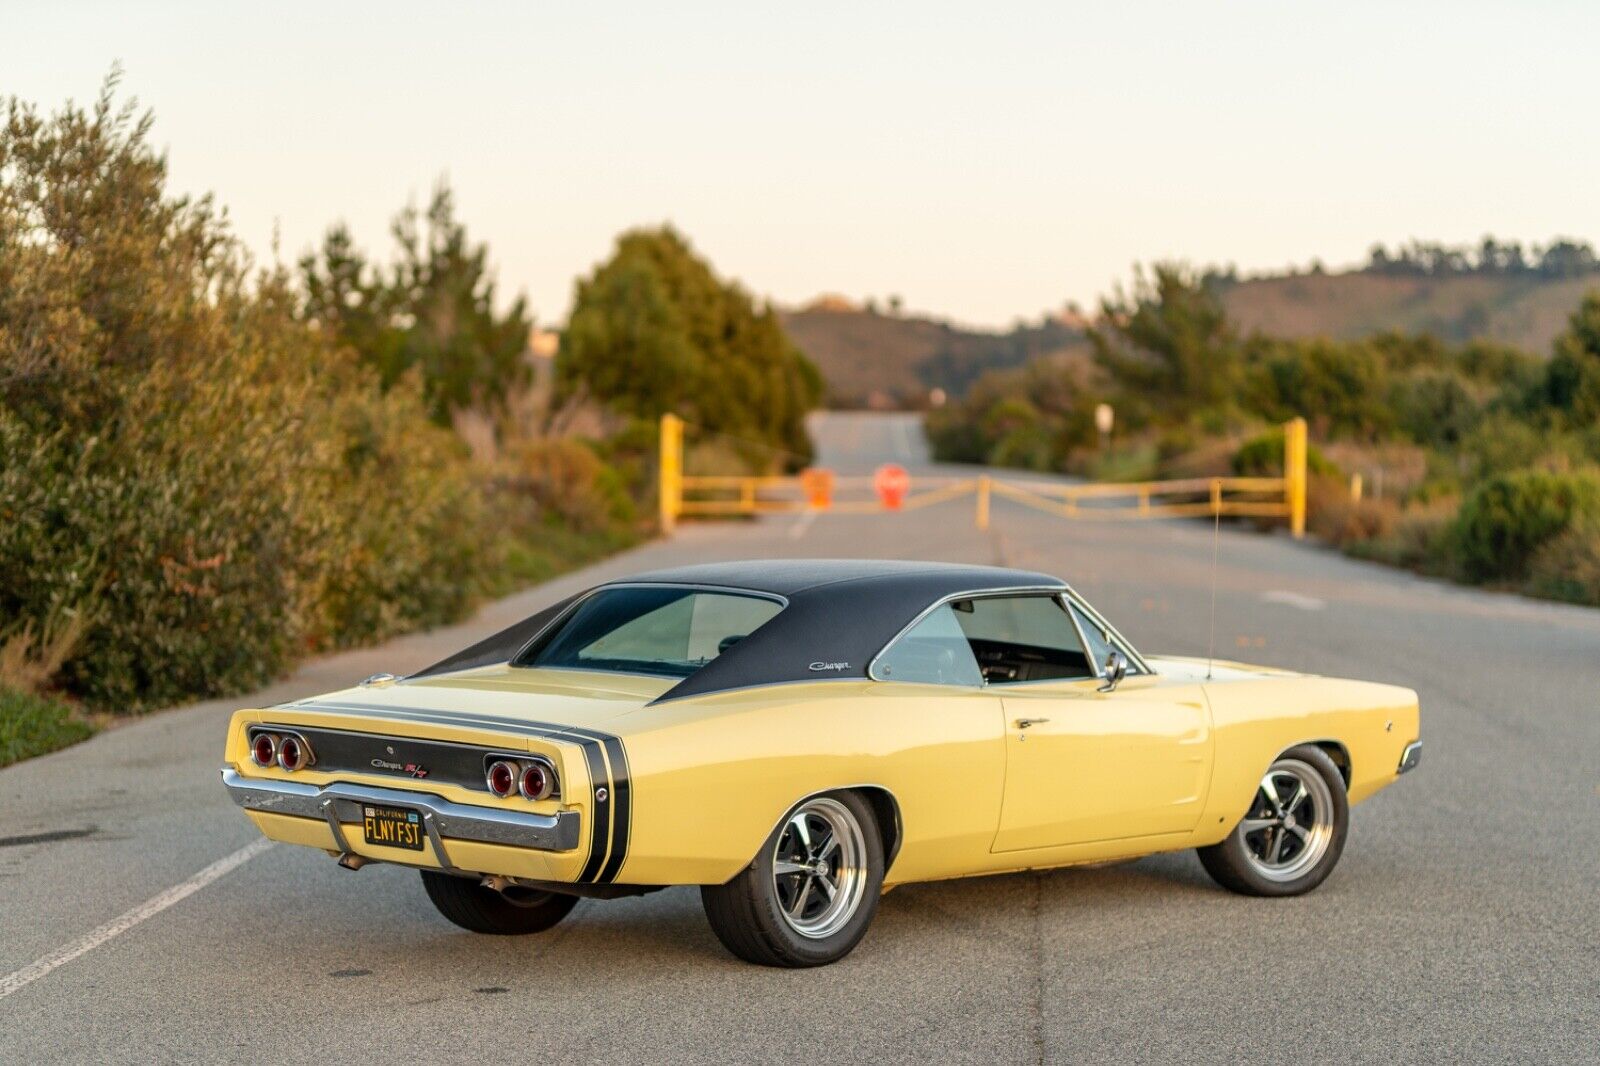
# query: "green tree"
[433,309]
[344,295]
[1168,345]
[1572,380]
[653,330]
[1339,386]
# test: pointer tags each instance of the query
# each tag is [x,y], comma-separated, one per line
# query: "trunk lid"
[585,699]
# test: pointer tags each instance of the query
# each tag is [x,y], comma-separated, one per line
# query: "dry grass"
[29,660]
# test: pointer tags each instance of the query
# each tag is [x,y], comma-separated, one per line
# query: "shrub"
[1567,567]
[1509,517]
[208,477]
[1332,515]
[1262,456]
[1417,537]
[565,478]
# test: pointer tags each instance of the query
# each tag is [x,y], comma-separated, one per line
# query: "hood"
[1189,668]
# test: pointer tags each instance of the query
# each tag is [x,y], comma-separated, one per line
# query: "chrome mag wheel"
[1291,823]
[819,868]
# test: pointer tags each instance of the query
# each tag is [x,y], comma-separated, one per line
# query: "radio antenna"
[1216,544]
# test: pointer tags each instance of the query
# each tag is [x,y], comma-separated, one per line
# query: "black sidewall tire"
[746,914]
[1230,867]
[479,909]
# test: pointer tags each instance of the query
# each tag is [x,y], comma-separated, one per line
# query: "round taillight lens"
[292,753]
[502,778]
[264,749]
[537,782]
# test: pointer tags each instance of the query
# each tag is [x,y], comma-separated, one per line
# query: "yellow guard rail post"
[1294,475]
[671,471]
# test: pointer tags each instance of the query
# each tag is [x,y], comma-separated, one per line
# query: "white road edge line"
[902,434]
[151,907]
[802,524]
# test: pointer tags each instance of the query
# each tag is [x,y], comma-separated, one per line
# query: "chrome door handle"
[1023,723]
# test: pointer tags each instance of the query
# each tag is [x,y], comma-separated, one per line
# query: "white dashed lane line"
[1293,599]
[151,907]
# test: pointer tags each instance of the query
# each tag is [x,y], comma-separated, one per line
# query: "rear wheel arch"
[887,809]
[1338,753]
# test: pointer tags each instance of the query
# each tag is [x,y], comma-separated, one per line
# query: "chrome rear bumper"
[1410,757]
[339,803]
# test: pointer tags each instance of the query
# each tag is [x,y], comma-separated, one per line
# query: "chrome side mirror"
[1116,670]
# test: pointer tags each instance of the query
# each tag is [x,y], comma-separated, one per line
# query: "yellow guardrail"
[689,495]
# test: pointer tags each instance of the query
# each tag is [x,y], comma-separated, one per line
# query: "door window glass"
[935,652]
[1022,638]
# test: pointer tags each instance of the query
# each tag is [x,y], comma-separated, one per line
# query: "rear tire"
[479,909]
[1291,837]
[811,892]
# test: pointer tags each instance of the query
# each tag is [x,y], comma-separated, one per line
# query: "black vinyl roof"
[787,577]
[839,611]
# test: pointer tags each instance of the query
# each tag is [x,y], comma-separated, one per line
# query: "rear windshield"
[651,630]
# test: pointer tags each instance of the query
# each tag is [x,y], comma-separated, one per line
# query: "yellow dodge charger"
[796,736]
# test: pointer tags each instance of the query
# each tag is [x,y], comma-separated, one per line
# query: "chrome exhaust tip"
[351,861]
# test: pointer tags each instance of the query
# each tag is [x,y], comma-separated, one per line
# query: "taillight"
[502,778]
[293,753]
[264,749]
[537,782]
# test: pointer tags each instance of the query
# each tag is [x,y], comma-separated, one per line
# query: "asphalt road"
[1463,924]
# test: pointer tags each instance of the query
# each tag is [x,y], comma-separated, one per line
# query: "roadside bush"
[566,479]
[1418,537]
[1332,515]
[1508,518]
[206,477]
[1567,567]
[1201,457]
[1026,447]
[1262,456]
[392,531]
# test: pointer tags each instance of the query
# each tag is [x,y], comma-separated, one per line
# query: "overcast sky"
[984,162]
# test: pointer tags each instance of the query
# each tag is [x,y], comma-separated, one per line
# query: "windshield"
[651,630]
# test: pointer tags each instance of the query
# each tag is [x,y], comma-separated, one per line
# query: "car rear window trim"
[554,628]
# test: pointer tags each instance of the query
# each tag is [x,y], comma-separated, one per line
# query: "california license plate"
[392,827]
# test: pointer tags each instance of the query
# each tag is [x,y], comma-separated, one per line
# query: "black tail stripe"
[600,833]
[589,740]
[622,789]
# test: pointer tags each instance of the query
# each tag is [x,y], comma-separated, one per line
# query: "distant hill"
[869,356]
[1521,310]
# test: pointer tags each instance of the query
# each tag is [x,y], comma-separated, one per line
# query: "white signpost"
[1104,418]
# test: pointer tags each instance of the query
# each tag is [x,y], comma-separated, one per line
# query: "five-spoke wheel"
[1290,825]
[809,895]
[817,868]
[1292,834]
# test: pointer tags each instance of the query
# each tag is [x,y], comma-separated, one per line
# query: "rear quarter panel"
[713,775]
[1256,719]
